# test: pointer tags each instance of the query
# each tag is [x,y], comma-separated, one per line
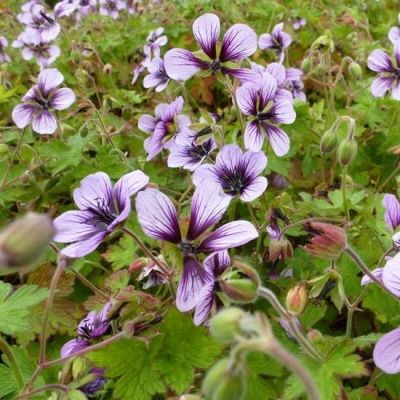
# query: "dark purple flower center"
[215,66]
[187,247]
[112,5]
[234,183]
[87,330]
[102,213]
[264,116]
[46,17]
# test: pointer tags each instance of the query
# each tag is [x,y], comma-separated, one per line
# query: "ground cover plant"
[199,200]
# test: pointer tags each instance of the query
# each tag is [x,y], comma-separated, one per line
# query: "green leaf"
[15,307]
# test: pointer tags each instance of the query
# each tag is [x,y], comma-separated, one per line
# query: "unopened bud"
[306,65]
[329,141]
[225,325]
[225,381]
[355,71]
[241,284]
[138,264]
[296,299]
[320,71]
[347,151]
[24,240]
[280,249]
[107,69]
[314,335]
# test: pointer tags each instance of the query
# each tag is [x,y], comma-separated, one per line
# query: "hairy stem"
[45,388]
[345,208]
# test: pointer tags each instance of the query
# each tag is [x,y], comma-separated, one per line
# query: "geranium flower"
[238,43]
[294,83]
[96,384]
[132,6]
[93,326]
[388,72]
[168,121]
[101,208]
[85,7]
[267,111]
[111,8]
[41,100]
[392,211]
[214,265]
[298,23]
[188,152]
[155,40]
[157,76]
[236,172]
[278,40]
[4,57]
[387,352]
[158,217]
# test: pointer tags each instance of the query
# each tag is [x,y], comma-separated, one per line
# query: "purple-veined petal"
[283,112]
[73,346]
[44,122]
[379,61]
[190,285]
[61,99]
[244,75]
[266,41]
[387,352]
[206,172]
[27,53]
[147,123]
[204,303]
[391,275]
[49,79]
[268,90]
[230,235]
[392,210]
[229,160]
[377,272]
[396,90]
[22,114]
[254,189]
[238,43]
[246,96]
[381,85]
[181,64]
[253,136]
[132,182]
[157,216]
[209,204]
[84,247]
[394,34]
[278,138]
[155,143]
[206,30]
[254,163]
[277,70]
[166,112]
[216,263]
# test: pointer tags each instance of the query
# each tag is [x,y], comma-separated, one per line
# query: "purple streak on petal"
[49,79]
[238,43]
[253,136]
[132,182]
[157,216]
[266,41]
[247,96]
[279,140]
[283,112]
[208,206]
[206,172]
[394,34]
[392,210]
[147,123]
[381,85]
[22,114]
[268,90]
[204,303]
[391,275]
[83,248]
[73,346]
[387,352]
[62,98]
[379,61]
[44,122]
[216,263]
[206,30]
[255,189]
[366,280]
[230,235]
[277,70]
[244,75]
[396,89]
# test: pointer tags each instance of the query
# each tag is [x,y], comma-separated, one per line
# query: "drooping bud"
[327,241]
[306,65]
[24,240]
[347,151]
[240,284]
[314,335]
[329,141]
[320,71]
[355,71]
[107,69]
[296,299]
[225,325]
[280,249]
[225,381]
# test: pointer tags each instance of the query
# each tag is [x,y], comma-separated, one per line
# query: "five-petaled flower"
[267,110]
[101,208]
[157,76]
[237,172]
[159,219]
[278,40]
[238,43]
[111,7]
[41,100]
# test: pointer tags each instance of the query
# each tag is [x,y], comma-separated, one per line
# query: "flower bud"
[107,69]
[329,141]
[328,240]
[320,71]
[355,71]
[241,284]
[225,382]
[225,325]
[24,240]
[314,335]
[296,299]
[306,65]
[280,249]
[138,264]
[347,151]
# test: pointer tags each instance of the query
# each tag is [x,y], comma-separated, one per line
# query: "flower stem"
[345,208]
[5,348]
[44,388]
[302,340]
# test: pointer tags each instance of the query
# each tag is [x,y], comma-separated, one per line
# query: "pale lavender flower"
[214,265]
[65,8]
[140,68]
[298,23]
[278,40]
[387,352]
[157,76]
[85,7]
[153,275]
[101,208]
[132,6]
[238,43]
[294,83]
[27,8]
[392,211]
[4,57]
[96,384]
[260,101]
[41,100]
[94,325]
[111,8]
[159,219]
[155,40]
[188,151]
[168,121]
[236,172]
[394,33]
[388,72]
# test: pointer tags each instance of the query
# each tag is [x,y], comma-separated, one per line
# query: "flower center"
[187,247]
[215,66]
